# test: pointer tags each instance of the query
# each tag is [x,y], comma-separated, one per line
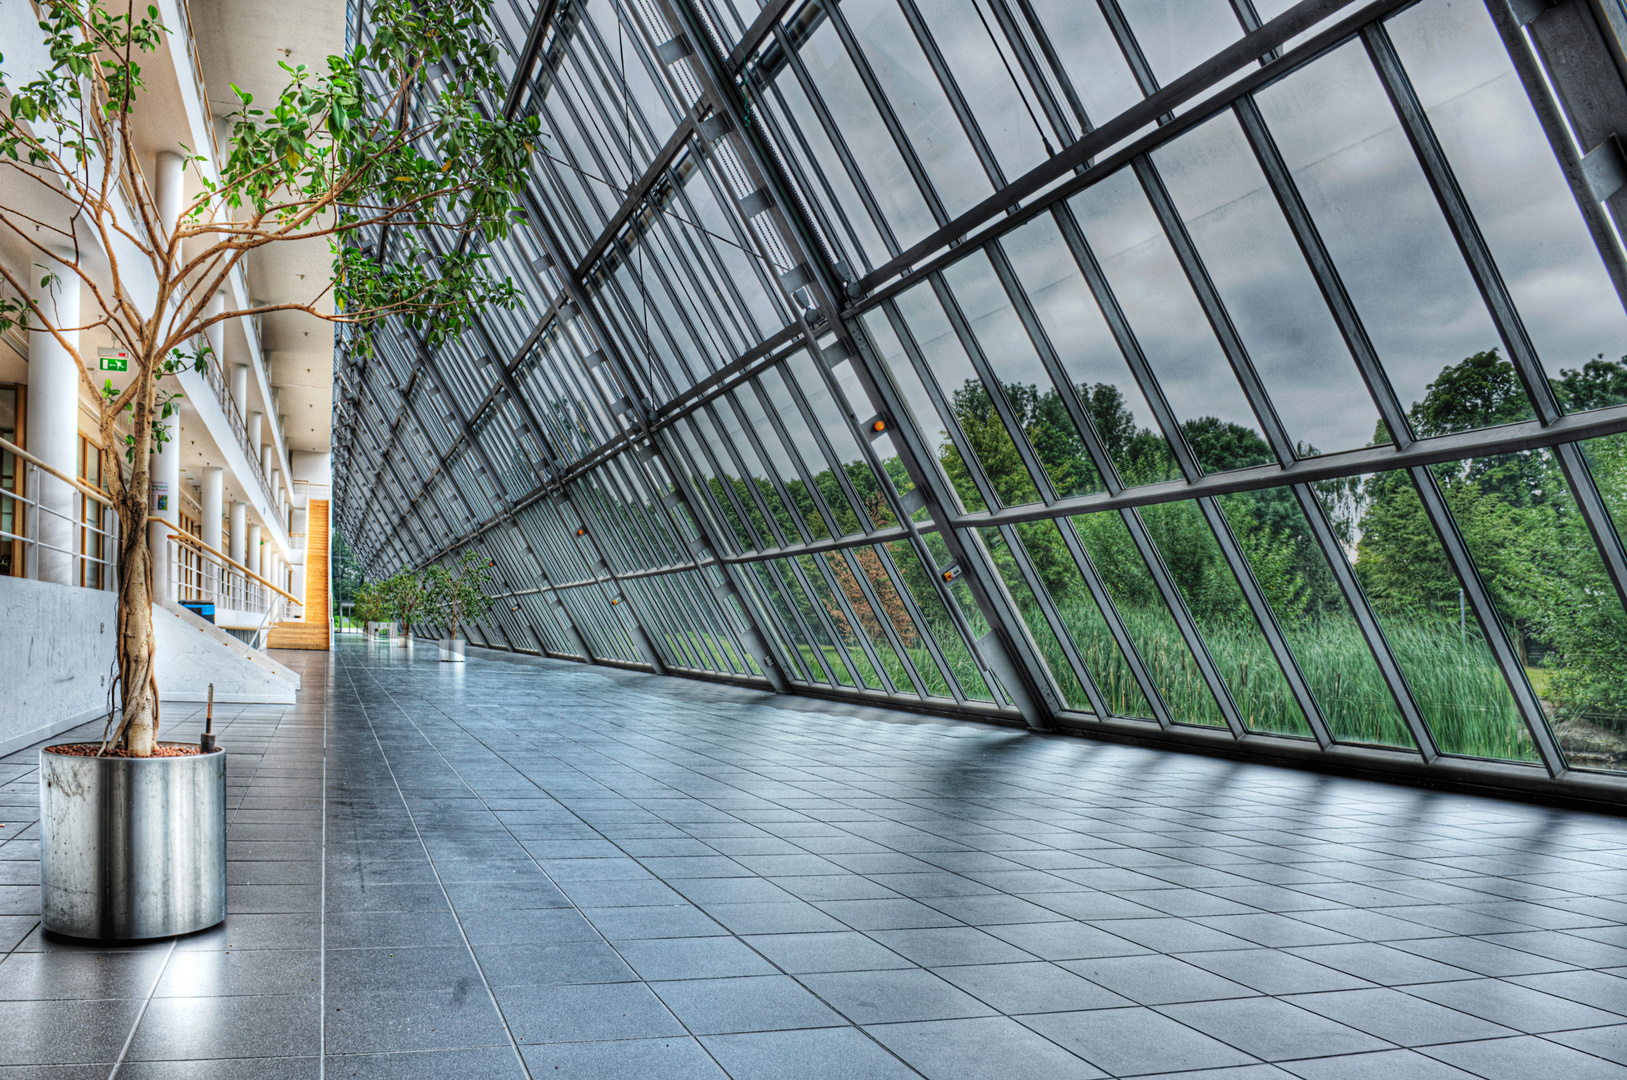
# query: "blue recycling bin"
[199,608]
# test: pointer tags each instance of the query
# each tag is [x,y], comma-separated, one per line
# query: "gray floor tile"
[1381,964]
[1606,1042]
[842,1053]
[304,1068]
[885,914]
[560,964]
[64,1032]
[1030,988]
[762,1003]
[622,924]
[1381,1065]
[941,946]
[541,1014]
[1067,940]
[1156,980]
[1135,1040]
[1271,971]
[674,1058]
[76,976]
[1514,1006]
[883,997]
[472,1063]
[693,958]
[179,1029]
[984,1048]
[1399,1018]
[386,970]
[371,1023]
[1272,1029]
[1525,1057]
[241,972]
[845,950]
[1596,988]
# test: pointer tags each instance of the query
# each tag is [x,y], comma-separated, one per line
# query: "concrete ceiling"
[242,42]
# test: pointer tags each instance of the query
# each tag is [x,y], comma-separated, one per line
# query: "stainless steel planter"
[452,650]
[132,847]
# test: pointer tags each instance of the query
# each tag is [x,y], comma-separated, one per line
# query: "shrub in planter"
[457,595]
[397,130]
[406,601]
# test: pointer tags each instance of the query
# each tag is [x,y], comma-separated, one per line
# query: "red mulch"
[90,749]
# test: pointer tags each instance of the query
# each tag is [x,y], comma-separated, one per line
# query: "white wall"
[56,655]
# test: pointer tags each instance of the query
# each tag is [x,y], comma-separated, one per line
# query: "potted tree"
[458,595]
[405,601]
[391,157]
[368,610]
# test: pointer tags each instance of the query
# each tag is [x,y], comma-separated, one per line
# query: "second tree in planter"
[456,596]
[405,599]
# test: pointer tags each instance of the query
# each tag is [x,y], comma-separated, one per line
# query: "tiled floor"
[521,867]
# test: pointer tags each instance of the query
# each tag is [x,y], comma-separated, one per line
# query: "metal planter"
[452,650]
[132,848]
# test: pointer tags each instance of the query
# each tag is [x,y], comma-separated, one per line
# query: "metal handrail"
[83,538]
[193,541]
[84,488]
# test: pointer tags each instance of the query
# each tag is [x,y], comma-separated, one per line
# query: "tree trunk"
[138,725]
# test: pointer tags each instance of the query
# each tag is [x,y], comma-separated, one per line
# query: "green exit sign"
[115,363]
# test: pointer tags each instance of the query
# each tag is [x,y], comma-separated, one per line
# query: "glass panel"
[817,157]
[1147,620]
[1375,212]
[1223,617]
[1091,57]
[859,125]
[897,612]
[1073,322]
[1316,620]
[1270,295]
[868,622]
[918,100]
[1029,390]
[828,656]
[938,622]
[1004,116]
[929,428]
[969,400]
[1175,38]
[833,425]
[1553,596]
[1073,694]
[1439,644]
[847,638]
[1150,286]
[1507,170]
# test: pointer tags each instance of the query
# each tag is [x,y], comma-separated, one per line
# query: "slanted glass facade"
[1233,373]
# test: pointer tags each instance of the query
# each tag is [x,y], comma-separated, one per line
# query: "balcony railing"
[199,573]
[54,527]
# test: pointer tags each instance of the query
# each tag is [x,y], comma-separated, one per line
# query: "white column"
[214,493]
[216,334]
[240,387]
[238,552]
[253,560]
[165,503]
[254,424]
[214,504]
[240,532]
[171,189]
[296,585]
[53,417]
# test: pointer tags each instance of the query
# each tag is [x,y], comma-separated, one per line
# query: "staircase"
[316,630]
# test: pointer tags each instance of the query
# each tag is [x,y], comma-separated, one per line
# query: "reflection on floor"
[519,867]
